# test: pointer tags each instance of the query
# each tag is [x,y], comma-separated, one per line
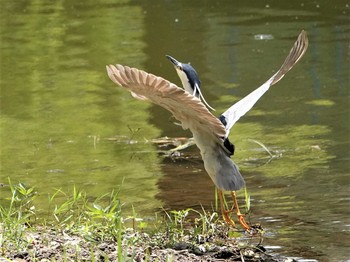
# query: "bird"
[210,133]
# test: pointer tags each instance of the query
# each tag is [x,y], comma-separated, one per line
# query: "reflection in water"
[186,184]
[59,109]
[55,103]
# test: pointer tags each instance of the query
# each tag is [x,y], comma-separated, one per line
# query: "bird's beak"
[176,63]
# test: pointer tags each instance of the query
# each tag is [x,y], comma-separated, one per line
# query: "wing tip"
[296,53]
[113,72]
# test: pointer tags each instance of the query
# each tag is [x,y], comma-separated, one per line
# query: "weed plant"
[99,221]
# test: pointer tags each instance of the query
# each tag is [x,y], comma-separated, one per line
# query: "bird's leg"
[190,142]
[238,212]
[225,213]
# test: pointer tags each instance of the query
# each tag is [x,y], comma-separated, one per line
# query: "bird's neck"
[185,83]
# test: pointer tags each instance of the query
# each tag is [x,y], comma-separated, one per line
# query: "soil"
[46,244]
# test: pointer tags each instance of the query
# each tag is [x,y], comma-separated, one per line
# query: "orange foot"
[225,213]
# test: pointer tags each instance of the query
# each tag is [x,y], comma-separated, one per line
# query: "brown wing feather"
[186,108]
[297,52]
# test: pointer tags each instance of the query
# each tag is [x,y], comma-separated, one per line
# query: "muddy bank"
[49,244]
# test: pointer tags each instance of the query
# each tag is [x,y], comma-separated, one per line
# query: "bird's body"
[210,133]
[219,166]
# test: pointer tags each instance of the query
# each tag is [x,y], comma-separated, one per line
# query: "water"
[63,122]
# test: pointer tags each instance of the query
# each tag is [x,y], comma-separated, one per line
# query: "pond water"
[64,123]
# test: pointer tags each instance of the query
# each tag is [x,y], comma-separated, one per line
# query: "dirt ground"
[48,245]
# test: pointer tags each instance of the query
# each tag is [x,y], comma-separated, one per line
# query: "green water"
[64,123]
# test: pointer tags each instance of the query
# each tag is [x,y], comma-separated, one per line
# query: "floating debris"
[263,37]
[55,171]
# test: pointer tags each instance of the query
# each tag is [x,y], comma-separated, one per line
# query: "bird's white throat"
[184,80]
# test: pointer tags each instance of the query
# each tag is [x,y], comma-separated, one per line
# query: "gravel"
[47,244]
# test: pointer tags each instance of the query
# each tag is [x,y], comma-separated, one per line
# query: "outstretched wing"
[189,110]
[231,116]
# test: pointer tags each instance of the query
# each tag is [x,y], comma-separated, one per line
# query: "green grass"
[17,215]
[99,221]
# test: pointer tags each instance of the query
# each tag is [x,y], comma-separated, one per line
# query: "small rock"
[248,253]
[103,246]
[181,246]
[224,254]
[21,255]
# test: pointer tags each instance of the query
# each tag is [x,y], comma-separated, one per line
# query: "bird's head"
[189,77]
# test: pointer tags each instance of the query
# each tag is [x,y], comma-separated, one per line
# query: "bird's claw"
[243,222]
[227,219]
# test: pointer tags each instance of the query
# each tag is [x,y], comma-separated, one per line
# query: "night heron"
[209,132]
